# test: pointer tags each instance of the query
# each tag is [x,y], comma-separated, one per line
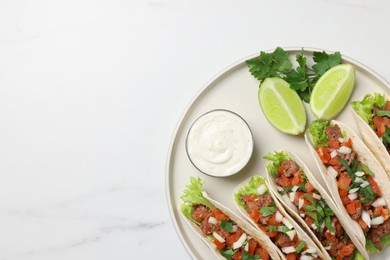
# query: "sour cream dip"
[219,143]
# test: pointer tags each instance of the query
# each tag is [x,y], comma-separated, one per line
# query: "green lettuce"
[193,196]
[364,107]
[371,248]
[357,256]
[317,131]
[249,189]
[277,158]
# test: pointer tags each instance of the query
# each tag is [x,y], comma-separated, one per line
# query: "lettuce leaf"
[277,158]
[249,189]
[317,131]
[371,248]
[364,107]
[357,255]
[193,196]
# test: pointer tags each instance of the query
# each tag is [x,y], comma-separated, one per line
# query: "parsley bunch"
[301,79]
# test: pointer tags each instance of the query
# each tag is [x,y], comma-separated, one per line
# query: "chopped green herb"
[267,211]
[226,225]
[383,113]
[272,228]
[328,224]
[300,246]
[247,256]
[282,229]
[228,253]
[368,194]
[367,170]
[349,171]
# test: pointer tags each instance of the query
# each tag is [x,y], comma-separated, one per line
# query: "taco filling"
[260,206]
[375,111]
[231,240]
[312,208]
[359,192]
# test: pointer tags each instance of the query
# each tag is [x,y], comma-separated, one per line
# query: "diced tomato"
[374,186]
[378,211]
[309,187]
[284,181]
[251,197]
[344,181]
[237,256]
[272,220]
[351,208]
[346,250]
[219,245]
[230,239]
[380,125]
[281,170]
[324,154]
[297,179]
[334,162]
[344,197]
[309,221]
[296,241]
[329,235]
[255,215]
[299,195]
[218,215]
[347,143]
[262,253]
[362,224]
[291,256]
[334,143]
[252,246]
[385,214]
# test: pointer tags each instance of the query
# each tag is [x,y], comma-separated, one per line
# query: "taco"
[356,181]
[295,186]
[372,116]
[228,235]
[258,205]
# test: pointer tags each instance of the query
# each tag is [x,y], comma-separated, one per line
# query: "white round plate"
[236,89]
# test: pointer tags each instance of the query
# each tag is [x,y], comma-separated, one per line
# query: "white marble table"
[91,91]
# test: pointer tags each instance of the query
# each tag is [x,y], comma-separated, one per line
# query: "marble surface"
[90,94]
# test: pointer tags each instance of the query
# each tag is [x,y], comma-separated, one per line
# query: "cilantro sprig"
[301,79]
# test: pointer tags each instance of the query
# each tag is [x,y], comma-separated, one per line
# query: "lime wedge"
[332,91]
[282,106]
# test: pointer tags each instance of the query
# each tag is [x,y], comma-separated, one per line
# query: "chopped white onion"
[306,257]
[246,248]
[213,221]
[314,226]
[302,215]
[353,196]
[291,234]
[234,229]
[323,225]
[218,237]
[377,221]
[364,184]
[332,171]
[342,140]
[311,250]
[239,242]
[288,250]
[315,255]
[278,216]
[333,154]
[316,196]
[366,218]
[279,188]
[292,196]
[344,150]
[358,180]
[359,173]
[353,190]
[261,189]
[248,238]
[295,188]
[300,203]
[379,202]
[328,248]
[287,223]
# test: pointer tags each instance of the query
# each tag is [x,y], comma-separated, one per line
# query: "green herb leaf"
[383,113]
[267,211]
[282,229]
[325,61]
[247,256]
[269,64]
[367,170]
[328,225]
[300,246]
[368,194]
[272,228]
[228,253]
[349,171]
[226,225]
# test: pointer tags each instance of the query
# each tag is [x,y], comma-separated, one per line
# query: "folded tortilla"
[258,235]
[302,235]
[365,156]
[293,210]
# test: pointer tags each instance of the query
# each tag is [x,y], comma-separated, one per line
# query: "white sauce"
[219,143]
